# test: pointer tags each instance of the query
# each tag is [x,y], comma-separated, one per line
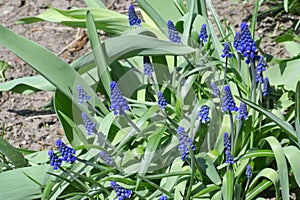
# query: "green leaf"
[3,67]
[297,111]
[283,124]
[15,184]
[12,153]
[293,156]
[188,23]
[98,53]
[254,17]
[209,169]
[281,166]
[286,5]
[228,185]
[95,4]
[109,21]
[216,18]
[27,85]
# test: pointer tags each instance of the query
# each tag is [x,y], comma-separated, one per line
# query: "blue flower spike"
[55,161]
[228,156]
[118,102]
[261,66]
[249,171]
[215,89]
[173,33]
[228,101]
[107,158]
[162,102]
[121,192]
[163,197]
[226,51]
[243,113]
[132,17]
[203,114]
[89,125]
[67,153]
[267,88]
[203,34]
[82,95]
[148,69]
[183,141]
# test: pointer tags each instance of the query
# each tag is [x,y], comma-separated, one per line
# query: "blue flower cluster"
[203,34]
[163,197]
[215,89]
[148,69]
[55,161]
[82,95]
[66,152]
[183,141]
[243,113]
[118,102]
[249,171]
[122,193]
[173,33]
[162,102]
[228,101]
[267,88]
[260,67]
[89,125]
[203,114]
[245,44]
[132,17]
[107,158]
[228,156]
[226,51]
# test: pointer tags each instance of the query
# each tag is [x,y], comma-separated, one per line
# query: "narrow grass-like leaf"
[209,169]
[258,153]
[293,156]
[262,186]
[281,166]
[188,23]
[297,112]
[216,18]
[47,190]
[283,124]
[254,17]
[208,189]
[16,158]
[98,53]
[27,85]
[286,5]
[95,3]
[228,185]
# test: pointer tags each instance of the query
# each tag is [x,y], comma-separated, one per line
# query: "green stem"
[174,71]
[224,79]
[74,178]
[132,123]
[232,133]
[237,132]
[239,62]
[191,179]
[253,85]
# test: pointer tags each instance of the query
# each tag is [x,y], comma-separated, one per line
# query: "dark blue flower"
[118,102]
[249,171]
[237,40]
[162,102]
[55,161]
[243,113]
[82,95]
[203,33]
[226,51]
[228,157]
[183,141]
[228,101]
[89,125]
[245,43]
[163,197]
[148,69]
[203,114]
[122,193]
[227,144]
[173,33]
[132,17]
[107,158]
[66,152]
[261,66]
[267,88]
[215,89]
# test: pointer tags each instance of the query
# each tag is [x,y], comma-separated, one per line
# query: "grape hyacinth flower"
[260,67]
[82,95]
[66,152]
[148,69]
[163,197]
[227,145]
[228,101]
[215,89]
[203,34]
[237,40]
[122,193]
[243,113]
[173,33]
[162,102]
[132,17]
[203,114]
[89,125]
[249,171]
[107,158]
[118,102]
[226,51]
[183,141]
[55,161]
[245,44]
[267,88]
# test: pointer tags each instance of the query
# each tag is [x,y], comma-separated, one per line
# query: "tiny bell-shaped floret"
[66,152]
[243,113]
[228,157]
[184,140]
[226,51]
[173,33]
[260,67]
[203,114]
[227,144]
[121,192]
[163,197]
[267,88]
[162,102]
[82,95]
[203,33]
[148,69]
[107,158]
[249,171]
[118,102]
[132,17]
[55,161]
[89,125]
[228,101]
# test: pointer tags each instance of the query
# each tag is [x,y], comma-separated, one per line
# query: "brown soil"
[26,123]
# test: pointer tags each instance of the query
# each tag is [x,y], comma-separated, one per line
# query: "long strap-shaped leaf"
[297,111]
